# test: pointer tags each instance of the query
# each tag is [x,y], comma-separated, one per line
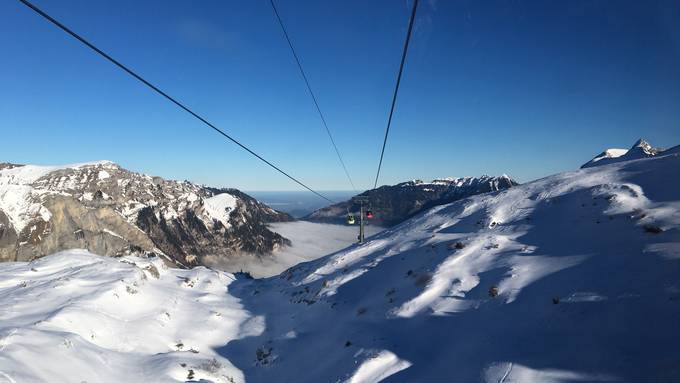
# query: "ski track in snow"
[584,265]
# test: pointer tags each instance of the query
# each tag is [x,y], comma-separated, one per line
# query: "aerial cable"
[311,93]
[171,99]
[396,88]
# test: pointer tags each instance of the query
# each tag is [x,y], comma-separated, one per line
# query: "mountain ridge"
[640,149]
[393,204]
[107,209]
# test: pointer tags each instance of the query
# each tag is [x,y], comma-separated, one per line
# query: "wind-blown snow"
[378,367]
[573,277]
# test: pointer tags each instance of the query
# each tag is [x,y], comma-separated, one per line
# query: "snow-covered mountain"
[111,211]
[573,277]
[396,203]
[641,149]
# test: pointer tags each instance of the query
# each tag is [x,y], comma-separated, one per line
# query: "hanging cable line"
[396,88]
[309,88]
[171,99]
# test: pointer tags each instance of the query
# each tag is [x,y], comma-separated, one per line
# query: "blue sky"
[526,88]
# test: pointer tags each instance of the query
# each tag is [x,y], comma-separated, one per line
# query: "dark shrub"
[493,291]
[653,229]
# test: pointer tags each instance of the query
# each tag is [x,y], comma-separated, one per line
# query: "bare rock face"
[112,211]
[8,239]
[393,204]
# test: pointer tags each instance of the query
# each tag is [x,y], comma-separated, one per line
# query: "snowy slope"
[219,207]
[573,277]
[588,239]
[74,317]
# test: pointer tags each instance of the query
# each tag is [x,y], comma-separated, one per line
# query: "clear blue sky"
[526,88]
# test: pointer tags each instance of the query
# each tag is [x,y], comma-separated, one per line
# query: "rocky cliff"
[112,211]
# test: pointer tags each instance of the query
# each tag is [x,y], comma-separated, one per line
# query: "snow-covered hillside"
[79,317]
[573,277]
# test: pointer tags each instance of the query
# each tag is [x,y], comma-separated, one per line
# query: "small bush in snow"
[191,260]
[264,355]
[423,279]
[243,275]
[153,271]
[493,291]
[653,229]
[212,366]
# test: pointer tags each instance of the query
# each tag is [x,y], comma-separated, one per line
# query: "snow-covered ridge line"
[640,149]
[23,174]
[395,203]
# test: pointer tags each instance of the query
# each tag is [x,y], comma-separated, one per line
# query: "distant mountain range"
[396,203]
[111,211]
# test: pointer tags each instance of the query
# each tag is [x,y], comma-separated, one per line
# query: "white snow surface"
[75,316]
[219,207]
[610,153]
[585,264]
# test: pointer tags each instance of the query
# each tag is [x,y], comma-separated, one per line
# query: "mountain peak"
[641,149]
[642,143]
[645,147]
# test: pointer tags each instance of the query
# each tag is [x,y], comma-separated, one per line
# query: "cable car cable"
[396,88]
[311,93]
[170,98]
